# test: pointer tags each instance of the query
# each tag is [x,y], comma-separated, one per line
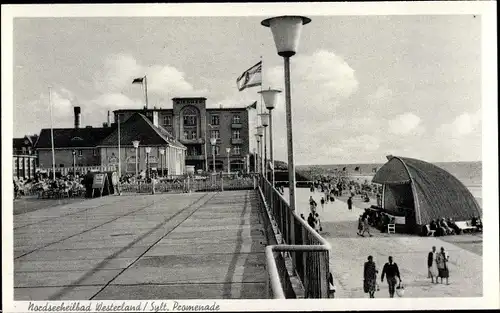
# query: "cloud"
[381,94]
[463,124]
[162,79]
[404,124]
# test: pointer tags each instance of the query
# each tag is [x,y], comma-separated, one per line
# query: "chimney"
[109,118]
[78,117]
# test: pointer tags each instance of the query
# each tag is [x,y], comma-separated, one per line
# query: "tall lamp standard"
[148,151]
[74,163]
[270,98]
[264,120]
[286,33]
[260,132]
[228,151]
[213,142]
[257,158]
[136,146]
[162,152]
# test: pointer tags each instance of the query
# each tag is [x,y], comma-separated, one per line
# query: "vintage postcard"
[257,156]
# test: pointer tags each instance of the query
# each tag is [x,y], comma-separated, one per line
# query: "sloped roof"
[73,137]
[437,193]
[139,127]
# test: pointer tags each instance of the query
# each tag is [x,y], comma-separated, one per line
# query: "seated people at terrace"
[443,224]
[476,222]
[453,226]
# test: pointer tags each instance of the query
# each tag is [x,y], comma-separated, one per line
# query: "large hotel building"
[193,124]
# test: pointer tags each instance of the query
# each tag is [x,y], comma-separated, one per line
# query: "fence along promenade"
[308,251]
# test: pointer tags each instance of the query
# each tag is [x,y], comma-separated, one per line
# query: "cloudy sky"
[362,86]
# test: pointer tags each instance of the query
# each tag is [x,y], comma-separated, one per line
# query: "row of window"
[215,120]
[191,120]
[193,134]
[236,150]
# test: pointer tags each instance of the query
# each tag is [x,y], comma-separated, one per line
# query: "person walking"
[360,225]
[391,270]
[370,277]
[349,203]
[442,266]
[317,223]
[366,226]
[322,202]
[432,265]
[311,220]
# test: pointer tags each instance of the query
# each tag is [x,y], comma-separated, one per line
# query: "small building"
[167,155]
[24,157]
[422,192]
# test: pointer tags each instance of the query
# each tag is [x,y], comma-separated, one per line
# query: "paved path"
[350,251]
[184,246]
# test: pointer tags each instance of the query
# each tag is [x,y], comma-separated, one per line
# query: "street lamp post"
[260,132]
[257,158]
[270,98]
[136,146]
[286,33]
[228,151]
[213,141]
[162,152]
[264,120]
[74,163]
[148,174]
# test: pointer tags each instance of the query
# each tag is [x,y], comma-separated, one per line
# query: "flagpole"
[119,155]
[146,90]
[52,136]
[264,169]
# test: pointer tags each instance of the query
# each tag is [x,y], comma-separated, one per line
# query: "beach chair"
[465,226]
[429,231]
[391,228]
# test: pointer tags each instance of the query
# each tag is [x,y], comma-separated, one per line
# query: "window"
[186,134]
[194,134]
[215,134]
[236,134]
[189,120]
[237,150]
[236,119]
[215,120]
[23,149]
[94,152]
[167,120]
[80,152]
[217,150]
[61,165]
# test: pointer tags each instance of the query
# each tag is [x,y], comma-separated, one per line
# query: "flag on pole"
[252,106]
[251,77]
[138,80]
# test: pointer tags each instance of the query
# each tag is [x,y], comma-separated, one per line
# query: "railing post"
[222,182]
[324,271]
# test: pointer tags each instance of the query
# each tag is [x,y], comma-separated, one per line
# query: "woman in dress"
[442,265]
[370,277]
[432,265]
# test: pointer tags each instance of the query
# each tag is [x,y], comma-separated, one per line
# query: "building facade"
[24,159]
[96,148]
[193,124]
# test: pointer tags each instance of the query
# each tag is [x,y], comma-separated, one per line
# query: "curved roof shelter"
[435,192]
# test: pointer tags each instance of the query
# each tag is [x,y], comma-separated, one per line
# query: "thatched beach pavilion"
[423,192]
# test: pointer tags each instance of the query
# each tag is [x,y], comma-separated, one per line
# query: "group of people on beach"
[446,227]
[390,271]
[437,264]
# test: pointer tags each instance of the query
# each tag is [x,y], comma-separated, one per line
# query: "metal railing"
[197,183]
[309,252]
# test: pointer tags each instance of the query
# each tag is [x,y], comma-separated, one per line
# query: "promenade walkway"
[350,251]
[170,246]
